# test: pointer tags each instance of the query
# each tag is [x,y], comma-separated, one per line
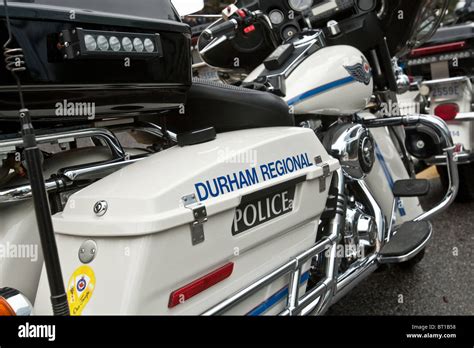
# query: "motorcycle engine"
[360,232]
[354,146]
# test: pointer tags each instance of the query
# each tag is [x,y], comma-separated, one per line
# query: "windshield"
[427,21]
[156,9]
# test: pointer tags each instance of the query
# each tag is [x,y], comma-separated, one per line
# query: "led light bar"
[427,51]
[441,58]
[82,44]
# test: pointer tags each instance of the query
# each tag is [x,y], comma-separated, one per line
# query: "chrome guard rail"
[440,127]
[109,138]
[364,267]
[318,297]
[67,177]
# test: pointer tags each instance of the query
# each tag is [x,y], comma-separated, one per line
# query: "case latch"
[200,217]
[326,173]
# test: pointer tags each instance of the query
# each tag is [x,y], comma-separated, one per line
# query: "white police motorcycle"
[265,202]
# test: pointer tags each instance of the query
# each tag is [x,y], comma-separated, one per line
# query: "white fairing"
[146,232]
[388,169]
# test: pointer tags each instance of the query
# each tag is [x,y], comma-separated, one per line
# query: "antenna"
[14,60]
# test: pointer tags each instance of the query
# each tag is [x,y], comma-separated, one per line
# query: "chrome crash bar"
[317,298]
[64,137]
[440,127]
[69,176]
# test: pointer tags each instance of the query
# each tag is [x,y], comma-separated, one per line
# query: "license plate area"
[454,90]
[447,91]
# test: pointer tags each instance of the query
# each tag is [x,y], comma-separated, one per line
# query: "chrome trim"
[459,157]
[382,231]
[68,176]
[410,255]
[347,141]
[333,286]
[291,267]
[452,188]
[464,116]
[381,13]
[447,80]
[17,301]
[65,179]
[22,193]
[354,275]
[101,133]
[360,269]
[311,300]
[393,219]
[439,126]
[98,171]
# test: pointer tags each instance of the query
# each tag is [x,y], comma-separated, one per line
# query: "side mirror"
[186,7]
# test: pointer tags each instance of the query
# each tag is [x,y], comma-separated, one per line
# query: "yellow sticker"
[80,288]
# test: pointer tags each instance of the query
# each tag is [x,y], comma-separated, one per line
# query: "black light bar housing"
[119,84]
[72,45]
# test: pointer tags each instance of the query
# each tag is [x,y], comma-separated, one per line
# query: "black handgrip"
[227,27]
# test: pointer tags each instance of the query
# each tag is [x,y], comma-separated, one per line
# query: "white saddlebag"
[263,196]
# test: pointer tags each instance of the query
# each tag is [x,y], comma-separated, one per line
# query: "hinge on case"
[326,173]
[200,217]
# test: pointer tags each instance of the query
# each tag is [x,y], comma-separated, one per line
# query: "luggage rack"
[109,138]
[318,298]
[67,177]
[314,299]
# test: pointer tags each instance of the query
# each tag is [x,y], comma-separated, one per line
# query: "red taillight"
[199,285]
[447,111]
[426,51]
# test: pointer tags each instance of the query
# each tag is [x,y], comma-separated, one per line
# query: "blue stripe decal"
[275,298]
[389,177]
[321,89]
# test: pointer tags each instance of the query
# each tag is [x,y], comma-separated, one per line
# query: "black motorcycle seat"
[229,108]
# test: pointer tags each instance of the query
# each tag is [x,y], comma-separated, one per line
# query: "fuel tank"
[335,80]
[138,241]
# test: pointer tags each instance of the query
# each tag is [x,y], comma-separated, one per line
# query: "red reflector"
[249,29]
[199,285]
[447,111]
[426,51]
